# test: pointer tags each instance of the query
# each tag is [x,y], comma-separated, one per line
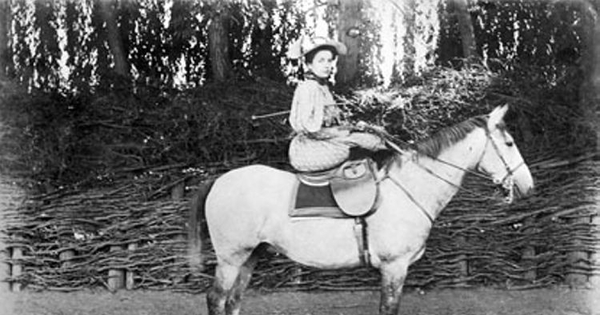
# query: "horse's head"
[501,158]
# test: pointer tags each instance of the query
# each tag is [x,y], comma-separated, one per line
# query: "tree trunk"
[218,42]
[590,97]
[115,42]
[5,51]
[590,89]
[409,38]
[349,19]
[262,44]
[590,106]
[465,25]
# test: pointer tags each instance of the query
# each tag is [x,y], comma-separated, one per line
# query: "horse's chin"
[524,185]
[516,191]
[507,194]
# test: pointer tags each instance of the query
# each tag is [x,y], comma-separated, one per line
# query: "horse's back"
[253,174]
[249,186]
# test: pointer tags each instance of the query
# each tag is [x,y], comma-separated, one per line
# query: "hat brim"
[340,48]
[295,51]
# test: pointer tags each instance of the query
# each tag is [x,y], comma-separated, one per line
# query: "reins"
[421,207]
[507,182]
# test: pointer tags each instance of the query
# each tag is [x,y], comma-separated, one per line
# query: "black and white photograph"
[299,157]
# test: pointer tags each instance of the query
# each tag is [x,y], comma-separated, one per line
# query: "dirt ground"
[440,302]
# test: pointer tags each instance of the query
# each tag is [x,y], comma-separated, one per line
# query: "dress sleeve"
[307,109]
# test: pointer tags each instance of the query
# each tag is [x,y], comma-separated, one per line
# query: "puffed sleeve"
[307,110]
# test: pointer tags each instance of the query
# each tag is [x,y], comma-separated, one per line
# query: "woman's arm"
[307,108]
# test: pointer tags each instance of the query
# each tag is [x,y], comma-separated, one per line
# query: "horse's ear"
[496,116]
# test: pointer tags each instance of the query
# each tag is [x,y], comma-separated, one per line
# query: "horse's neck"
[434,181]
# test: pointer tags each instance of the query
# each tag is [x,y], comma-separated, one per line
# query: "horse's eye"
[510,144]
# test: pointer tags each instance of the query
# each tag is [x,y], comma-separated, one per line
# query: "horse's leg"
[231,278]
[393,275]
[217,294]
[243,279]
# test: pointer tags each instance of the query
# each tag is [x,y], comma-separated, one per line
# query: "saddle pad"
[315,201]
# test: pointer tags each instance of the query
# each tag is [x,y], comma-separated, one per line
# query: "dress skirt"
[328,148]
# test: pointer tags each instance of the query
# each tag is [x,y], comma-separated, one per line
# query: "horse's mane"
[448,136]
[444,138]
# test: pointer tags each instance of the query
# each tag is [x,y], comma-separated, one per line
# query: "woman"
[323,138]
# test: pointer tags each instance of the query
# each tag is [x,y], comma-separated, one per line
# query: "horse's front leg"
[393,275]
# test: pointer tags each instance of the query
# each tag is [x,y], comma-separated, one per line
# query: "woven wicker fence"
[111,237]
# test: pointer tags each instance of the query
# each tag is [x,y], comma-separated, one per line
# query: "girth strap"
[360,232]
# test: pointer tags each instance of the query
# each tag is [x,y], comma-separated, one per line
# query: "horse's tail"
[198,228]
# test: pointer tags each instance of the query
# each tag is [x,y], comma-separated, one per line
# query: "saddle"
[349,190]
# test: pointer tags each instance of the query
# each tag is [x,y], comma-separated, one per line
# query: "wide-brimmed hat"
[305,45]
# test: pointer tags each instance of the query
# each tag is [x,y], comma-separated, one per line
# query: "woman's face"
[322,63]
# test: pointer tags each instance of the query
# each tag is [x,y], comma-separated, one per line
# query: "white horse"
[247,207]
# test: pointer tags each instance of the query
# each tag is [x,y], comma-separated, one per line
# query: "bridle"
[506,183]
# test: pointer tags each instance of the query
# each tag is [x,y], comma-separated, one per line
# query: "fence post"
[296,274]
[5,265]
[116,277]
[16,268]
[594,293]
[178,193]
[529,255]
[7,305]
[4,268]
[578,260]
[463,261]
[595,256]
[66,257]
[130,274]
[10,197]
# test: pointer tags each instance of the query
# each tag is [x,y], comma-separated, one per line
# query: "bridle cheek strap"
[507,182]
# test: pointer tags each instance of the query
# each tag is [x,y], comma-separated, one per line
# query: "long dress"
[322,140]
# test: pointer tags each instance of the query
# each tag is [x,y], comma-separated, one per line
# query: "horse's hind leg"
[241,283]
[230,281]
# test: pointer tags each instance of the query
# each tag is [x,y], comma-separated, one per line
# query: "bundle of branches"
[416,109]
[544,112]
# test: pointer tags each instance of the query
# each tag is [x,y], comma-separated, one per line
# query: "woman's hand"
[340,131]
[361,125]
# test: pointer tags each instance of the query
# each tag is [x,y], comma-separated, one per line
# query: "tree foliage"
[66,44]
[63,48]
